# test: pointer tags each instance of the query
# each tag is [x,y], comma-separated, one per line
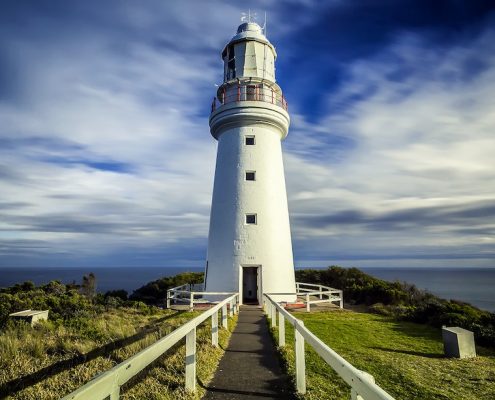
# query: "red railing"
[232,94]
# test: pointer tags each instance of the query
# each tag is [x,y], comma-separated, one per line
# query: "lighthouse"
[249,242]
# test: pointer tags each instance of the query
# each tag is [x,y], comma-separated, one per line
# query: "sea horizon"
[472,285]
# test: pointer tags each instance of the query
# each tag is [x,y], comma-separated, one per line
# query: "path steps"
[250,368]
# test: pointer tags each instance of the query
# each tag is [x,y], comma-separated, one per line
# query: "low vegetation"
[155,292]
[403,301]
[405,358]
[88,333]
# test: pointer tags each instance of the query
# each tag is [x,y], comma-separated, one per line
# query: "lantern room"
[249,54]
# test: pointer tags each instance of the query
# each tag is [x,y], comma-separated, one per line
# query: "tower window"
[250,175]
[249,140]
[251,219]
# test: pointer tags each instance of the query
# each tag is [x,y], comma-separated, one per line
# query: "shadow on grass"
[410,352]
[23,382]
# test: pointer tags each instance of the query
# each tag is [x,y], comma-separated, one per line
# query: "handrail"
[189,296]
[362,384]
[232,94]
[108,383]
[306,290]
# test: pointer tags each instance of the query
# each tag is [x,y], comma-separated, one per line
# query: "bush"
[156,292]
[403,301]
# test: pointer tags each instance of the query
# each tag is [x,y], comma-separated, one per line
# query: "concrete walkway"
[250,367]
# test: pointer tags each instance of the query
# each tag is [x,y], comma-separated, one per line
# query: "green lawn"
[406,359]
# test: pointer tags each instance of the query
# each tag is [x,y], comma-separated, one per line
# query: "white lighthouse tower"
[249,243]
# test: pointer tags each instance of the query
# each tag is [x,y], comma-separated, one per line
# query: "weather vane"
[251,17]
[248,17]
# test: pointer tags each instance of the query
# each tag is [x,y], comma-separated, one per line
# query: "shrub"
[403,301]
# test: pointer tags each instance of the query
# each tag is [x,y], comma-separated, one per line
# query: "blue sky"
[106,157]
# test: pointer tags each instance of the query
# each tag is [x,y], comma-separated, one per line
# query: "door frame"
[259,281]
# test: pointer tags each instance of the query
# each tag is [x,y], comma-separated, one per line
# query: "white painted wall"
[231,242]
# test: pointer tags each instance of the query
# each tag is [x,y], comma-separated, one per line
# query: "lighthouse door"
[250,285]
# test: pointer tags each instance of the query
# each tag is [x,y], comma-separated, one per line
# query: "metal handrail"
[362,384]
[109,383]
[249,93]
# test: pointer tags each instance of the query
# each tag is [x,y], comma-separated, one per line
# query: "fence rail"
[312,293]
[107,384]
[191,294]
[363,386]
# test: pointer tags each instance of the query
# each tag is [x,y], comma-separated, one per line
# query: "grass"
[53,359]
[406,359]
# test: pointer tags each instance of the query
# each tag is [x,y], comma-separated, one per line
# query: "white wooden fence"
[192,294]
[108,383]
[312,293]
[363,386]
[309,293]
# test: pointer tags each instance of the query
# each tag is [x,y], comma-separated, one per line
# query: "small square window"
[251,219]
[250,175]
[249,140]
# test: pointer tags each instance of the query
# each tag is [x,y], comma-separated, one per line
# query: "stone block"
[458,342]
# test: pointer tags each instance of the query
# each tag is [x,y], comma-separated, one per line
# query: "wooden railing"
[192,294]
[107,384]
[363,386]
[312,293]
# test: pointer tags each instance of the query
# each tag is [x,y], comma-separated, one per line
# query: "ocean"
[472,285]
[106,278]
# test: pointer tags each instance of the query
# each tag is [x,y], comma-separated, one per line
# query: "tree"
[88,287]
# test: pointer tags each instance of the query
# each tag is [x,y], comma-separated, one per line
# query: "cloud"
[106,156]
[416,166]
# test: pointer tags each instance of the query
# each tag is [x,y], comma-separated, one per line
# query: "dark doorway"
[250,285]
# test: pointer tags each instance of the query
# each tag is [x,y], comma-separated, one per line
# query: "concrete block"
[31,316]
[458,342]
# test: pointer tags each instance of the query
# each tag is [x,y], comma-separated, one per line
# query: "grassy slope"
[35,353]
[406,359]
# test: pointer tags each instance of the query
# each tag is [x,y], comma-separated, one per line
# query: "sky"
[106,157]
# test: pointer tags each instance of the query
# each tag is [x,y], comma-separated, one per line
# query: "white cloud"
[134,89]
[422,135]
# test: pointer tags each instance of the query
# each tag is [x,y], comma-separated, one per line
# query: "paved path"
[250,367]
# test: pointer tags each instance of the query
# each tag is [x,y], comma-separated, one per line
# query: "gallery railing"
[232,94]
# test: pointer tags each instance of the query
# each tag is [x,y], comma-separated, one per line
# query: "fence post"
[281,330]
[300,359]
[308,306]
[191,360]
[224,316]
[231,308]
[115,391]
[191,301]
[321,290]
[168,299]
[274,316]
[341,299]
[214,329]
[367,377]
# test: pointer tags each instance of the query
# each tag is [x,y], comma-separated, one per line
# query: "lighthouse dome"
[249,26]
[250,31]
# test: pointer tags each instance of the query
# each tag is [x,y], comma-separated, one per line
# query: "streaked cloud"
[106,157]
